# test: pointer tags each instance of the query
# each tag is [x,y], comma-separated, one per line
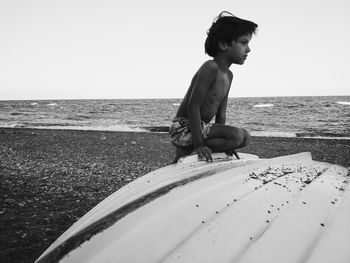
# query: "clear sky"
[100,49]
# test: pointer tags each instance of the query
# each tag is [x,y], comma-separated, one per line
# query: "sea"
[311,117]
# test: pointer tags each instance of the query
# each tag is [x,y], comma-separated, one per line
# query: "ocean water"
[325,117]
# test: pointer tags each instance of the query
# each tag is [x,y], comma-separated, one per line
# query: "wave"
[306,135]
[69,126]
[79,117]
[263,105]
[117,128]
[22,113]
[327,135]
[292,106]
[343,102]
[253,123]
[273,134]
[38,125]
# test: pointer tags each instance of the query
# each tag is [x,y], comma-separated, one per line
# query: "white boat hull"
[285,209]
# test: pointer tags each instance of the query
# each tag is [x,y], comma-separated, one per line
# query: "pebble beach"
[50,178]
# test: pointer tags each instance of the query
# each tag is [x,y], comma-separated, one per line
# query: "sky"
[115,49]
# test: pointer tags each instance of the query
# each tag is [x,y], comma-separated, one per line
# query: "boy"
[227,42]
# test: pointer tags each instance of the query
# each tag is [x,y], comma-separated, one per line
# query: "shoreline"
[165,130]
[52,177]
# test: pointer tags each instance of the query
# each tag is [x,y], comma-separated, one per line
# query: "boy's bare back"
[209,88]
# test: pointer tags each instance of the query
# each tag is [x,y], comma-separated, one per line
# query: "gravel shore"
[50,178]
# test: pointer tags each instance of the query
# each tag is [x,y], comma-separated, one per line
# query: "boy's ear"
[222,45]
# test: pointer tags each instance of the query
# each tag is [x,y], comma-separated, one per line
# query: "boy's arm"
[205,78]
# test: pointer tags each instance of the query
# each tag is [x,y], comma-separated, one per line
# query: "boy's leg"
[181,152]
[225,138]
[221,138]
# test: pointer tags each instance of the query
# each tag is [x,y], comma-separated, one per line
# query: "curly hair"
[227,28]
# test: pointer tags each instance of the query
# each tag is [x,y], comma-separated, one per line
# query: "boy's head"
[226,28]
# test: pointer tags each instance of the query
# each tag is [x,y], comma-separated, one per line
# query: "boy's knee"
[246,138]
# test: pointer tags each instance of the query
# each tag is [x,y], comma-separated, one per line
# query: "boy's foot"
[233,152]
[181,152]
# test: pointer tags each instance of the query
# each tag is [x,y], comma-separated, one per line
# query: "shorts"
[180,134]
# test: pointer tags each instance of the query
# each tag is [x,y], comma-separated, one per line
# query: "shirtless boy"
[228,43]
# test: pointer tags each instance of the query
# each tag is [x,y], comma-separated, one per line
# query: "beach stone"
[9,200]
[133,143]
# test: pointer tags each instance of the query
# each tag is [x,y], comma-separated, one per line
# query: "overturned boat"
[284,209]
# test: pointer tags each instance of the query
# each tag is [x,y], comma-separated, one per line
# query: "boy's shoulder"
[213,67]
[210,64]
[208,68]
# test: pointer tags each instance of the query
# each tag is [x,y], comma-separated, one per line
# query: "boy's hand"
[204,152]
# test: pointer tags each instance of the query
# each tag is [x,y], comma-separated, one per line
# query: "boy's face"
[238,51]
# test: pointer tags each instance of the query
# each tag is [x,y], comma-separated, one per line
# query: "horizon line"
[169,98]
